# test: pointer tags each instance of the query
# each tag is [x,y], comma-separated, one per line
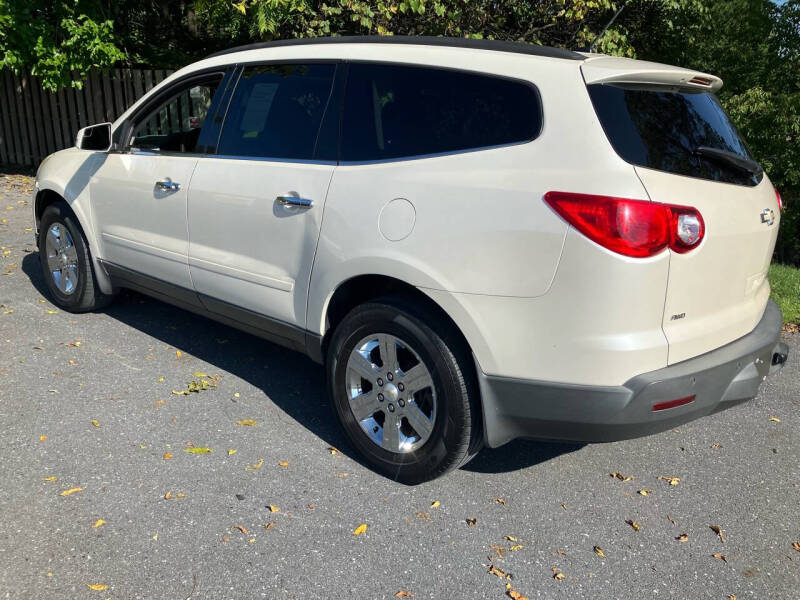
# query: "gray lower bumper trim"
[721,378]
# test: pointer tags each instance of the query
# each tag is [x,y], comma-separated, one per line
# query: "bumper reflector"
[673,403]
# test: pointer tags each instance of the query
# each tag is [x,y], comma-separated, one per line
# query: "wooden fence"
[35,122]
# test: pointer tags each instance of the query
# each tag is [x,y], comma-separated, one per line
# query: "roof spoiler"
[611,69]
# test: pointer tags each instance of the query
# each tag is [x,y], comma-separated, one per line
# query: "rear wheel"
[66,262]
[403,389]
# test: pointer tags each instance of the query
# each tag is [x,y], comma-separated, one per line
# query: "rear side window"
[398,111]
[276,111]
[663,129]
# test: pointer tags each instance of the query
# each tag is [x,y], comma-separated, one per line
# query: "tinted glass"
[397,111]
[175,125]
[276,111]
[662,130]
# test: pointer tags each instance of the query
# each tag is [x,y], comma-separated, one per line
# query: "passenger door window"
[176,124]
[398,111]
[276,111]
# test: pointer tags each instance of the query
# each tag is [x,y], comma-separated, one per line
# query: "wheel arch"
[49,195]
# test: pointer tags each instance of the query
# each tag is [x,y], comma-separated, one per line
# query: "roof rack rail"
[496,45]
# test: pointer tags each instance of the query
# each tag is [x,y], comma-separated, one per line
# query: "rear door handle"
[168,185]
[294,199]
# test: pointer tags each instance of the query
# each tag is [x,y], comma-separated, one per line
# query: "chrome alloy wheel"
[391,393]
[62,258]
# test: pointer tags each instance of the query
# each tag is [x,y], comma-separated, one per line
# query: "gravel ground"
[86,401]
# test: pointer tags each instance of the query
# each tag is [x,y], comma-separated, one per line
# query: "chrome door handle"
[293,199]
[168,185]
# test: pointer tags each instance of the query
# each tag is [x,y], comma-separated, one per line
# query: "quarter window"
[400,111]
[276,111]
[176,124]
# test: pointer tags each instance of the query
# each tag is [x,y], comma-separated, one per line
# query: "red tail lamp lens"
[673,403]
[780,200]
[636,228]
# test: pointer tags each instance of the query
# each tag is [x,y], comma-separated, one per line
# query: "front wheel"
[66,262]
[403,388]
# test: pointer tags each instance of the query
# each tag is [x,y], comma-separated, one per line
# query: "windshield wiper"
[729,158]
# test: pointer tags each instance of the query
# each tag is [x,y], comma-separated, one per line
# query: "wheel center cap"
[391,392]
[64,259]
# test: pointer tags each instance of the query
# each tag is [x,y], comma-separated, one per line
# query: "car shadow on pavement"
[292,381]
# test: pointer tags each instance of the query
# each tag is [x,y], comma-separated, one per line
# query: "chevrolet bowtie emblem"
[768,216]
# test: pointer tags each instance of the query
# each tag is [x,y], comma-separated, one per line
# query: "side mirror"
[94,137]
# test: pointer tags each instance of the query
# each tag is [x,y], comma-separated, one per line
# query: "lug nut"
[389,376]
[391,408]
[380,381]
[380,397]
[401,402]
[401,387]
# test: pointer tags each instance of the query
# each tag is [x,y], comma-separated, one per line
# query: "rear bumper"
[719,379]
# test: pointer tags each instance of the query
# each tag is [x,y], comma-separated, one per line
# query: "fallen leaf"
[796,546]
[42,438]
[720,557]
[716,446]
[180,495]
[561,553]
[360,529]
[255,466]
[52,312]
[273,508]
[167,455]
[472,521]
[97,587]
[251,541]
[620,476]
[178,353]
[499,501]
[231,452]
[246,422]
[498,572]
[645,492]
[558,576]
[564,506]
[423,515]
[241,528]
[671,520]
[633,524]
[198,450]
[683,538]
[269,525]
[775,419]
[718,530]
[283,463]
[225,538]
[670,480]
[168,495]
[403,594]
[50,478]
[435,504]
[515,595]
[510,538]
[599,551]
[200,374]
[181,392]
[95,422]
[516,547]
[160,402]
[498,550]
[71,491]
[155,537]
[98,523]
[333,451]
[311,506]
[161,380]
[732,597]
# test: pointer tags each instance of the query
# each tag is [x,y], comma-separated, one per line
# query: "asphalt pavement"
[105,479]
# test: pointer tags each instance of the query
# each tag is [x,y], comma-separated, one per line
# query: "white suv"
[480,240]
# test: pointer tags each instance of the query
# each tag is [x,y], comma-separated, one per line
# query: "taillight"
[637,228]
[780,200]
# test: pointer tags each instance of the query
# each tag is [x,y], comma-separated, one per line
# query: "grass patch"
[785,283]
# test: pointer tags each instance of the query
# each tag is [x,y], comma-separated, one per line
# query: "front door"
[139,195]
[255,210]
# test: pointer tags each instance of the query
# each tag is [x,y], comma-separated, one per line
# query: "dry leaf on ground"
[240,528]
[255,466]
[283,463]
[718,530]
[95,422]
[621,477]
[670,480]
[499,501]
[231,452]
[71,491]
[167,455]
[516,547]
[97,587]
[198,450]
[403,594]
[633,524]
[498,572]
[720,557]
[599,551]
[435,504]
[246,422]
[796,546]
[515,595]
[471,521]
[98,523]
[269,525]
[360,529]
[684,537]
[775,419]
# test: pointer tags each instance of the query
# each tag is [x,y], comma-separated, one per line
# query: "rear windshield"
[663,128]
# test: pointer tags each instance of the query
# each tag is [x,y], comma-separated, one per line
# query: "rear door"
[255,209]
[687,152]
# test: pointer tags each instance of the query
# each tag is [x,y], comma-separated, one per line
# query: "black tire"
[456,435]
[86,295]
